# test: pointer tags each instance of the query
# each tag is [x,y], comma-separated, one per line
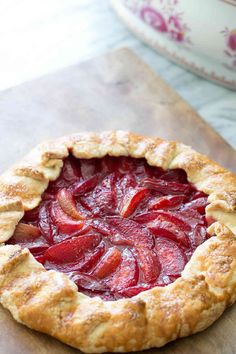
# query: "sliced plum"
[64,223]
[167,202]
[127,274]
[108,263]
[66,202]
[171,256]
[166,187]
[130,233]
[197,204]
[132,200]
[148,264]
[71,250]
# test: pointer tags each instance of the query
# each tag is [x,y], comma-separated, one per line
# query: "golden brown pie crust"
[49,302]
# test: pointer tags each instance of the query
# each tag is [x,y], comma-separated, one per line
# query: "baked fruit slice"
[115,242]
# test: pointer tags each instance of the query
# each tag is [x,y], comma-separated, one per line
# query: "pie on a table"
[115,242]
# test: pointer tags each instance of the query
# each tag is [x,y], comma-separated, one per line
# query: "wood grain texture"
[66,32]
[115,91]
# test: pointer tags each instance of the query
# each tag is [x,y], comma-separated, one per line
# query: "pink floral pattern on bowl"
[230,51]
[166,19]
[185,32]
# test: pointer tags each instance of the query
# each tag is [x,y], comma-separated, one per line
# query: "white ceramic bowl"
[197,34]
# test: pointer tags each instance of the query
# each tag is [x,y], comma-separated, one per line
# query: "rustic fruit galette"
[115,242]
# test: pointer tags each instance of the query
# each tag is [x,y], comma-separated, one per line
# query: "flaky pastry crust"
[49,302]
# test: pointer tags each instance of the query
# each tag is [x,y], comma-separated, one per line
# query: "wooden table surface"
[115,91]
[41,36]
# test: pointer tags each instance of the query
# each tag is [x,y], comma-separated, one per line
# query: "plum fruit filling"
[116,226]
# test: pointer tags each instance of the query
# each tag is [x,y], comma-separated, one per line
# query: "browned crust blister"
[49,302]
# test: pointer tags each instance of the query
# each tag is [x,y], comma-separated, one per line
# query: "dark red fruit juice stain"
[116,226]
